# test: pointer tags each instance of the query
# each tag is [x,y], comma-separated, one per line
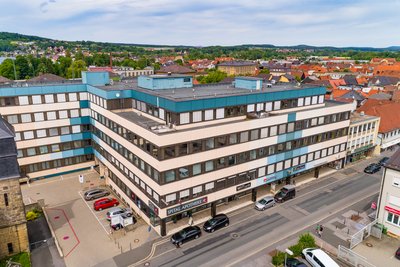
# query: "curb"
[53,234]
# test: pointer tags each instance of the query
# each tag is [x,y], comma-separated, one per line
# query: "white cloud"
[208,22]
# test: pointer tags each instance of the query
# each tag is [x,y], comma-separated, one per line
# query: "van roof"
[289,186]
[324,258]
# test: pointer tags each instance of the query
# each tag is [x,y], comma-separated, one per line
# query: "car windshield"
[262,201]
[182,232]
[212,221]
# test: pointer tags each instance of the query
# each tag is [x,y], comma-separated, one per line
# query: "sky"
[341,23]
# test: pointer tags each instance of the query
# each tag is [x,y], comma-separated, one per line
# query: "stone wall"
[13,229]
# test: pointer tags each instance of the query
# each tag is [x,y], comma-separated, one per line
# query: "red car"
[105,203]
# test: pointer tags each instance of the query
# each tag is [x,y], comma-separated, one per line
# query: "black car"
[372,168]
[216,222]
[293,262]
[186,234]
[383,161]
[397,255]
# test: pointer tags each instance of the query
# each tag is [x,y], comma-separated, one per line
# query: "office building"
[168,147]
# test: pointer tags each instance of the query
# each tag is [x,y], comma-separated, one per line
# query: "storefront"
[360,153]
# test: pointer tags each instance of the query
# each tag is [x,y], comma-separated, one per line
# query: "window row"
[362,128]
[140,184]
[25,169]
[393,219]
[216,142]
[246,136]
[215,164]
[214,114]
[46,116]
[49,132]
[40,150]
[42,99]
[98,100]
[220,184]
[243,157]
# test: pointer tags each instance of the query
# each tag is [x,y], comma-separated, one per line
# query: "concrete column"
[213,209]
[254,194]
[163,227]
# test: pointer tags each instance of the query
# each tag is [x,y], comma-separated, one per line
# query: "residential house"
[238,67]
[389,196]
[363,133]
[175,69]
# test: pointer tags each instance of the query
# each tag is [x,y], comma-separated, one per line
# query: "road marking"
[94,214]
[249,207]
[297,231]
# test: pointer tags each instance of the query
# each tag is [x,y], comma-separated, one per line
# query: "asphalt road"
[252,232]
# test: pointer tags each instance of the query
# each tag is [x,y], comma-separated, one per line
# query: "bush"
[307,241]
[23,258]
[33,214]
[297,249]
[278,259]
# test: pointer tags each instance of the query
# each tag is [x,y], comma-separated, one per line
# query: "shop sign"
[153,207]
[266,179]
[392,210]
[186,206]
[243,186]
[299,167]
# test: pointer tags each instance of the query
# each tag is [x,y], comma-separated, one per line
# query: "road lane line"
[94,214]
[299,230]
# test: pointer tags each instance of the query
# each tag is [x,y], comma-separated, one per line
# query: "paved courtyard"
[84,235]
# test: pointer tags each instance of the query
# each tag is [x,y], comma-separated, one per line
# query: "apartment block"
[363,136]
[168,147]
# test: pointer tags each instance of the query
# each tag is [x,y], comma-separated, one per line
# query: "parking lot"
[84,235]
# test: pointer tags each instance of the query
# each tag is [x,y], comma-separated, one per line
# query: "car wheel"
[226,224]
[117,228]
[212,230]
[129,214]
[180,244]
[197,236]
[115,205]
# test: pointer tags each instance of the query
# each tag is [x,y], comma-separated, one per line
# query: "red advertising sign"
[392,210]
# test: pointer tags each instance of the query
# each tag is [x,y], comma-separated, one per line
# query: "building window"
[26,118]
[36,99]
[51,115]
[196,169]
[28,135]
[169,176]
[49,98]
[184,118]
[23,100]
[6,199]
[74,113]
[12,119]
[10,248]
[244,137]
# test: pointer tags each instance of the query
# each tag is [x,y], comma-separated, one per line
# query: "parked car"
[105,203]
[265,203]
[186,234]
[287,192]
[318,258]
[372,168]
[118,211]
[216,222]
[121,221]
[383,161]
[397,254]
[95,193]
[293,262]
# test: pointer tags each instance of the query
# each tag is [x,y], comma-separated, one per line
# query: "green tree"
[212,77]
[74,71]
[24,71]
[179,62]
[7,69]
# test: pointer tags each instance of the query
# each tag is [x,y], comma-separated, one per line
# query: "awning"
[392,210]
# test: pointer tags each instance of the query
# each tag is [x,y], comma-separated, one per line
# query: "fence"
[372,228]
[352,258]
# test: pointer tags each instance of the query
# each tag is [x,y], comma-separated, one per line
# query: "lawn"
[22,258]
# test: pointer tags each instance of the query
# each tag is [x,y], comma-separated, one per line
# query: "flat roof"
[356,117]
[203,91]
[147,122]
[162,76]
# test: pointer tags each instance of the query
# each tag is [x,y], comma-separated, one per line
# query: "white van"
[318,258]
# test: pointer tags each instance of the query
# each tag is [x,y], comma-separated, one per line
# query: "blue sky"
[208,22]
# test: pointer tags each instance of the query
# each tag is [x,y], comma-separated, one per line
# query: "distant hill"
[6,38]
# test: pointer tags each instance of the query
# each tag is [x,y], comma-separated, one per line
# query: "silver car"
[96,193]
[118,211]
[265,203]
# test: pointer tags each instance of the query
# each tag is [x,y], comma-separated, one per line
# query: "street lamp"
[287,251]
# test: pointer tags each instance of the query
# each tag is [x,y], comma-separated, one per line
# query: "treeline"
[26,67]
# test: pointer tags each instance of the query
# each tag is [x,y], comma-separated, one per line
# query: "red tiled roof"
[390,120]
[4,80]
[336,83]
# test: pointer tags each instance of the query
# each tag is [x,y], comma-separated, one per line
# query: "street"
[252,234]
